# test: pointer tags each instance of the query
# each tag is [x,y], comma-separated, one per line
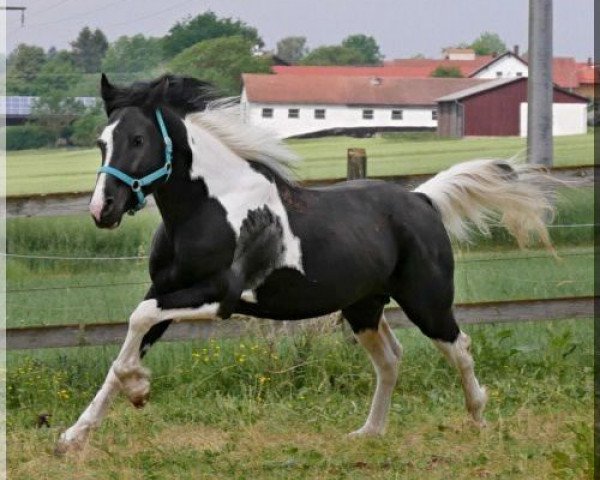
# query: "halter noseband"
[137,184]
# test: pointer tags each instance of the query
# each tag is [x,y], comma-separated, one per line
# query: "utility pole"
[21,9]
[540,90]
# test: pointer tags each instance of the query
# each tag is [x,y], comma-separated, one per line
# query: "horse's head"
[136,155]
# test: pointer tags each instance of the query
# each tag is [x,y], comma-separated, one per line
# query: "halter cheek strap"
[137,184]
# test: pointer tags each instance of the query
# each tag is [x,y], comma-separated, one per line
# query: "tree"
[367,46]
[132,54]
[488,43]
[58,75]
[292,49]
[89,49]
[447,72]
[334,55]
[23,66]
[206,26]
[55,113]
[220,61]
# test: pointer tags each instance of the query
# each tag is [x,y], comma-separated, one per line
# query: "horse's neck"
[227,177]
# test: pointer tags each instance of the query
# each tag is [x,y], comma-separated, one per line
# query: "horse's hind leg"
[458,354]
[374,334]
[428,307]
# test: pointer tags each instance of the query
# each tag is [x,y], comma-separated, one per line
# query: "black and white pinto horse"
[238,235]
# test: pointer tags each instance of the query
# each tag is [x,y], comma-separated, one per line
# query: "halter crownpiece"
[137,184]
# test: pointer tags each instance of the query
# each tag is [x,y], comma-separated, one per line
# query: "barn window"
[267,113]
[498,74]
[367,114]
[319,113]
[434,114]
[397,114]
[294,113]
[519,74]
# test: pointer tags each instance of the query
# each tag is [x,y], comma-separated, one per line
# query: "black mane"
[183,94]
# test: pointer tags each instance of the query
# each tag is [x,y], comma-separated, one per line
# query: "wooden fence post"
[357,163]
[357,168]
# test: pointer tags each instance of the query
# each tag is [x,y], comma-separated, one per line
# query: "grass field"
[260,408]
[74,170]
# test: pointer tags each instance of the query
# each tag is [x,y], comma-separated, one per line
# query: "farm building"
[300,105]
[499,108]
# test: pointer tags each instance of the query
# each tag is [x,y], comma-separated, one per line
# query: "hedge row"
[83,132]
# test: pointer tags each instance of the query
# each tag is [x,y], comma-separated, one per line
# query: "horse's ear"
[108,92]
[106,88]
[158,94]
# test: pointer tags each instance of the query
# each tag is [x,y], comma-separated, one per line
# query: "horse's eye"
[138,141]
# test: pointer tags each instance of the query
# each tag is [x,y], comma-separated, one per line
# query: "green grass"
[264,408]
[73,170]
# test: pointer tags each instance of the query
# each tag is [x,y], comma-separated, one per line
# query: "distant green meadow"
[74,170]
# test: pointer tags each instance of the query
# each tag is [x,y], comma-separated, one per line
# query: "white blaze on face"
[97,202]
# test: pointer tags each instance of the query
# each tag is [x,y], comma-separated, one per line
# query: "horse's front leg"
[127,373]
[180,305]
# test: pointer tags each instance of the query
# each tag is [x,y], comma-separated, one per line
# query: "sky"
[402,28]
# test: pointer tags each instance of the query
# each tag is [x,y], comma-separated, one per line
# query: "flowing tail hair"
[472,196]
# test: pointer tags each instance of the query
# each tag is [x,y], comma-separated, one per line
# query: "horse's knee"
[135,382]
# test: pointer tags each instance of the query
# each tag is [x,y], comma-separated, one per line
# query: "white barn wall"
[336,116]
[567,119]
[509,66]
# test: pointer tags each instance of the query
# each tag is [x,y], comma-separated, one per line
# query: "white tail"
[477,194]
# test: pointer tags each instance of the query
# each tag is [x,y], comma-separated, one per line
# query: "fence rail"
[54,204]
[94,334]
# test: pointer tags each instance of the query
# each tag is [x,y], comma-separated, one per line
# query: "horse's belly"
[289,294]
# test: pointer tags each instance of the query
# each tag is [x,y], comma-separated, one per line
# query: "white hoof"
[476,407]
[72,440]
[366,431]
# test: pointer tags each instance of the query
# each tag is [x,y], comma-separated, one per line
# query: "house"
[499,107]
[301,105]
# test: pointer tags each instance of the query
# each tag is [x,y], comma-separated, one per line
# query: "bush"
[447,72]
[23,137]
[87,127]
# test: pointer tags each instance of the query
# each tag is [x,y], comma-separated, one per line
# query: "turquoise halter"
[137,184]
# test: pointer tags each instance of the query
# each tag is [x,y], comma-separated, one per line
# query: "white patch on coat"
[459,356]
[97,202]
[237,186]
[385,352]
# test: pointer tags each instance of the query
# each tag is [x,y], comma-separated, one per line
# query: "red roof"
[564,72]
[351,90]
[588,74]
[407,68]
[565,69]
